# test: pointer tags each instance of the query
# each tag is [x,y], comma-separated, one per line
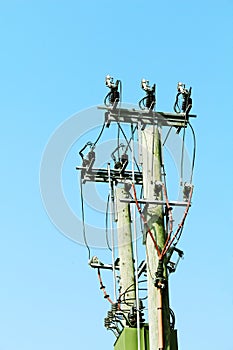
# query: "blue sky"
[54,57]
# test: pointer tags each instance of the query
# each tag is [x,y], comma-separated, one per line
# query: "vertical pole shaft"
[136,248]
[151,142]
[160,319]
[112,231]
[125,251]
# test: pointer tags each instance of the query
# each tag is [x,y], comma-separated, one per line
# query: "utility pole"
[126,316]
[125,251]
[158,315]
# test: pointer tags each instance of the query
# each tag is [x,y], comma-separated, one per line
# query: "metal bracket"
[171,266]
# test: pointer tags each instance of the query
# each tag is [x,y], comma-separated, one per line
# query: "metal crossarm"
[133,116]
[101,175]
[156,202]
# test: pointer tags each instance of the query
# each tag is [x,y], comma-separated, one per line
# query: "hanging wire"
[180,226]
[152,153]
[194,151]
[169,217]
[118,143]
[178,232]
[102,287]
[164,176]
[119,113]
[182,159]
[169,211]
[106,224]
[83,220]
[135,249]
[179,235]
[141,221]
[100,134]
[139,140]
[128,143]
[123,133]
[130,288]
[166,137]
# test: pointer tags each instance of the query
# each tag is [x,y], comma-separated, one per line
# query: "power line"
[100,134]
[194,151]
[83,220]
[106,224]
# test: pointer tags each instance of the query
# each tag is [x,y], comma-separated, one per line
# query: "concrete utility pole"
[125,250]
[126,316]
[151,145]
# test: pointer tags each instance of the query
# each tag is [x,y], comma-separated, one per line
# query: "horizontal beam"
[102,175]
[157,202]
[145,117]
[103,266]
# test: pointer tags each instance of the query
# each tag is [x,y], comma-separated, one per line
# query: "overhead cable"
[106,224]
[83,220]
[194,151]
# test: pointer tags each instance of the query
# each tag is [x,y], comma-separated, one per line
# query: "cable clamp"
[158,188]
[160,280]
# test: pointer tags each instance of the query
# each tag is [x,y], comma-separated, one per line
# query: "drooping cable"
[102,287]
[128,143]
[169,210]
[194,152]
[179,235]
[182,159]
[83,220]
[106,224]
[152,152]
[166,137]
[106,98]
[100,134]
[119,113]
[118,142]
[173,318]
[181,224]
[123,133]
[130,288]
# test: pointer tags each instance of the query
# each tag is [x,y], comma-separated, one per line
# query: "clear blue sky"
[52,51]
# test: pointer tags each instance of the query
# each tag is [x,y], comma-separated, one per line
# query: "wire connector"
[149,100]
[160,280]
[186,191]
[132,315]
[158,185]
[123,159]
[186,99]
[113,97]
[89,159]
